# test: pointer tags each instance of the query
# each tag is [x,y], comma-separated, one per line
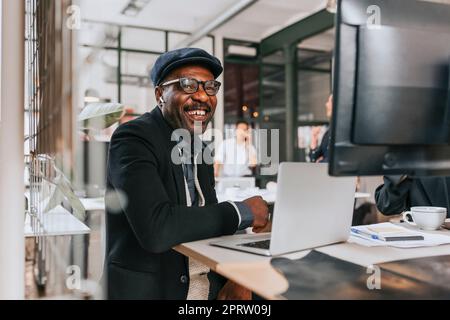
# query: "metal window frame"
[120,49]
[287,40]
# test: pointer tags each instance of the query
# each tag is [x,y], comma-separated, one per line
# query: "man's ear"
[159,96]
[158,93]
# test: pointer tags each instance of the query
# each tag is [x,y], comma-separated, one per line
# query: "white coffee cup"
[426,218]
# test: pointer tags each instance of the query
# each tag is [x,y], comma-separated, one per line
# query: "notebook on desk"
[397,235]
[386,232]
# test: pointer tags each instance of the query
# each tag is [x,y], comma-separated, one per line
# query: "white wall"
[12,207]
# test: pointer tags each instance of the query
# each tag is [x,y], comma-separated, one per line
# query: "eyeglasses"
[191,86]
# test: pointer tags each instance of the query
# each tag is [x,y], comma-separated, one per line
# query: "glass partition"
[117,61]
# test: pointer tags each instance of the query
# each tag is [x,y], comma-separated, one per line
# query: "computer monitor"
[391,112]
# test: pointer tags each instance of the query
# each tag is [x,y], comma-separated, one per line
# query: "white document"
[431,239]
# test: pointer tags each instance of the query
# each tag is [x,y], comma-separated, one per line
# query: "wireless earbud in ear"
[161,102]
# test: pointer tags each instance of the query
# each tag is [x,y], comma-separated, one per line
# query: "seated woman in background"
[319,153]
[400,193]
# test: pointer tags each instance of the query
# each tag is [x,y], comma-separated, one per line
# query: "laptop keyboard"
[264,244]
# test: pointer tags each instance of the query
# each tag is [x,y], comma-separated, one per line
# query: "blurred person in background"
[319,153]
[400,193]
[236,157]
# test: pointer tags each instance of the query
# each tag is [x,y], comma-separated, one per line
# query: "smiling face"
[241,132]
[183,110]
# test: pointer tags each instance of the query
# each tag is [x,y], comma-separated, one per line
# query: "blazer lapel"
[177,169]
[204,181]
[178,175]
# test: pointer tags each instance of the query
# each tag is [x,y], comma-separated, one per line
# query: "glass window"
[314,84]
[137,89]
[175,39]
[273,97]
[98,75]
[241,92]
[273,88]
[206,43]
[142,39]
[98,34]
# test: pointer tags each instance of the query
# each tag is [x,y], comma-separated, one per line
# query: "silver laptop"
[311,210]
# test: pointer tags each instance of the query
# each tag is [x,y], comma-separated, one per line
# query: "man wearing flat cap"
[155,202]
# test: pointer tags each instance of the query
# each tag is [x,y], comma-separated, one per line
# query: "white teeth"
[197,113]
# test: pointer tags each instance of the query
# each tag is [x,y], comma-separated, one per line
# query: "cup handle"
[406,216]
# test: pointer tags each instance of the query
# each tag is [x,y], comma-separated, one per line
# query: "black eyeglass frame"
[198,82]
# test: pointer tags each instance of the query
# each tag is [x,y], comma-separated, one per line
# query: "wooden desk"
[255,272]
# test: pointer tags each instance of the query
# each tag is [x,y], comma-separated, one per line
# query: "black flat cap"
[171,60]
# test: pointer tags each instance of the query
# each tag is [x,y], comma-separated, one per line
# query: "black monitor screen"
[391,89]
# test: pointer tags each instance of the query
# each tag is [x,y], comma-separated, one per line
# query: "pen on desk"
[366,234]
[392,238]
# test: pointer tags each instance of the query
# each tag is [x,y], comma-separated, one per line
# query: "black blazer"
[147,214]
[394,197]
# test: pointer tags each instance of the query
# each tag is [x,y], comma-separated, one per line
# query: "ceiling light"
[134,7]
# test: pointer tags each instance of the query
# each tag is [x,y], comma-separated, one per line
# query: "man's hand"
[260,211]
[266,228]
[315,132]
[217,169]
[233,291]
